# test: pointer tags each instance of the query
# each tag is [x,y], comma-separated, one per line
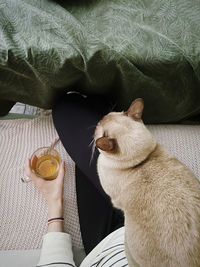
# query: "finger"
[28,167]
[61,173]
[29,172]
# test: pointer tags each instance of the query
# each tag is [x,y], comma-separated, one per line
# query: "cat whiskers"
[92,126]
[92,143]
[113,106]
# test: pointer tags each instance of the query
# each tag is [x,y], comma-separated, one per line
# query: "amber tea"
[45,162]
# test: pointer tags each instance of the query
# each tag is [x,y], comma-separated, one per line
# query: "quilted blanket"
[122,49]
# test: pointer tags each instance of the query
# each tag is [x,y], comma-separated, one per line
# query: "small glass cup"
[45,162]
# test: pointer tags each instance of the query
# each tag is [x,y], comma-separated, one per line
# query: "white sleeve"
[56,250]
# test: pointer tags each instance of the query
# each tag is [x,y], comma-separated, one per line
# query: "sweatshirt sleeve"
[56,250]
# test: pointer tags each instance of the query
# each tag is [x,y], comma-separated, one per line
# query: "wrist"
[55,209]
[55,226]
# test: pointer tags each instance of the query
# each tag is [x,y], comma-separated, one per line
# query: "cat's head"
[122,135]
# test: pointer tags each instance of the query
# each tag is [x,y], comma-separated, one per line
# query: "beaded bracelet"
[58,219]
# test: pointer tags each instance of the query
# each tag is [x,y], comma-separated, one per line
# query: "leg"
[75,118]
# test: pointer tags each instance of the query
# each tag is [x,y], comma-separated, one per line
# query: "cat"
[159,195]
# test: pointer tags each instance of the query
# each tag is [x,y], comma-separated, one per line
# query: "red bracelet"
[58,218]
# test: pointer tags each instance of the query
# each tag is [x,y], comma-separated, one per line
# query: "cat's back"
[165,202]
[166,173]
[162,176]
[169,187]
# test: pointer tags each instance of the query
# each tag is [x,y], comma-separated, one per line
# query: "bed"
[122,49]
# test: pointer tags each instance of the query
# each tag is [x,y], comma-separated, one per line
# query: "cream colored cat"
[159,195]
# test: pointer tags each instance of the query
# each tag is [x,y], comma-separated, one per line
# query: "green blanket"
[122,49]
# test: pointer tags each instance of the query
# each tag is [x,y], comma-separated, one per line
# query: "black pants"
[75,118]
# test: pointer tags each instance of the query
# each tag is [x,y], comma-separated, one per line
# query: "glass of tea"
[45,162]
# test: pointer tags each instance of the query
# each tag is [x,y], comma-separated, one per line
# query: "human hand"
[52,190]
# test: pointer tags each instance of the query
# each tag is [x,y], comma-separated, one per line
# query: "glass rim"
[50,148]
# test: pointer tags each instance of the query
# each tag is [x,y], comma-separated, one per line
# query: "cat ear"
[135,109]
[106,144]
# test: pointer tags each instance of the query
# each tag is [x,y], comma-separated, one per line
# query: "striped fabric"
[56,251]
[113,253]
